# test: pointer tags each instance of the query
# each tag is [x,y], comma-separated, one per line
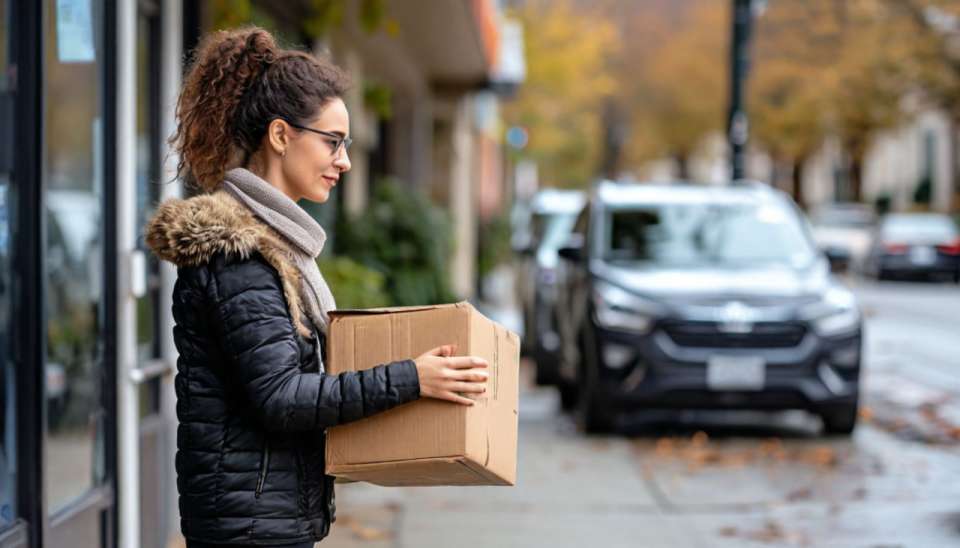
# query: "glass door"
[8,403]
[75,476]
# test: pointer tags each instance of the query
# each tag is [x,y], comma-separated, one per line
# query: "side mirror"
[572,250]
[523,246]
[838,257]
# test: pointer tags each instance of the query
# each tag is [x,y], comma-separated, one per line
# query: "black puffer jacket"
[252,403]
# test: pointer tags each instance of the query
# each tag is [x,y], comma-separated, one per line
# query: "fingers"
[456,398]
[469,375]
[438,351]
[443,351]
[467,387]
[466,362]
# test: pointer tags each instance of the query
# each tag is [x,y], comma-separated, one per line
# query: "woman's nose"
[343,162]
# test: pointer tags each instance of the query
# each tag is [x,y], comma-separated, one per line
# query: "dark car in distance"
[552,214]
[915,245]
[694,297]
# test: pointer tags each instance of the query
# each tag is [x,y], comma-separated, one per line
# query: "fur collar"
[191,232]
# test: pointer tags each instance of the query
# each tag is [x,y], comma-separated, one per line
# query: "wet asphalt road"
[734,479]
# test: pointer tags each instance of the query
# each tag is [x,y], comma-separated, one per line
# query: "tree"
[870,80]
[676,64]
[935,56]
[784,102]
[567,82]
[827,67]
[793,49]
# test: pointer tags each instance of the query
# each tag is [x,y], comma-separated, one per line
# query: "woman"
[260,128]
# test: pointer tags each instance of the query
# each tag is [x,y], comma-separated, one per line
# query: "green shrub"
[405,237]
[354,285]
[494,244]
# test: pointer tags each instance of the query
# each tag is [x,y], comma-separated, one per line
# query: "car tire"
[546,371]
[840,422]
[591,413]
[569,395]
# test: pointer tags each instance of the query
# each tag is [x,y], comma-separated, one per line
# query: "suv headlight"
[837,314]
[618,309]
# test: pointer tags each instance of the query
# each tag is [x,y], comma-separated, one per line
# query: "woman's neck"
[272,173]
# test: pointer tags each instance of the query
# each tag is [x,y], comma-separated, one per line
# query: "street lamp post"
[738,128]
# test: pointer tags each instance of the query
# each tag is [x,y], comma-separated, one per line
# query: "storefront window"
[73,254]
[7,384]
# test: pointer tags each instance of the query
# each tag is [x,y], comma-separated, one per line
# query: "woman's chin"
[318,197]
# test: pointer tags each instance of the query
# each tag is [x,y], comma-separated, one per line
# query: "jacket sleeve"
[259,341]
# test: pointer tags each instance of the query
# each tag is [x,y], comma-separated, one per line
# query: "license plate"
[923,255]
[736,373]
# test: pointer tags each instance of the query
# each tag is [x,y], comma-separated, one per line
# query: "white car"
[847,227]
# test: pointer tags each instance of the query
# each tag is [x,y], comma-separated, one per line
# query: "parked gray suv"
[703,297]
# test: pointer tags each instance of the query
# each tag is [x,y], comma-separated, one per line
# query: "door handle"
[150,370]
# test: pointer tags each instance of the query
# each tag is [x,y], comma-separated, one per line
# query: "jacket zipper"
[264,466]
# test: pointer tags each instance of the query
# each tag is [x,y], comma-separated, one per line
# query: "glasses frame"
[340,140]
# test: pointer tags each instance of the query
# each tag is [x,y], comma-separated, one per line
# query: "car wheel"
[840,422]
[592,413]
[546,368]
[569,395]
[527,342]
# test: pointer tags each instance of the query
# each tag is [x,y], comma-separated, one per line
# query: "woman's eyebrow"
[340,133]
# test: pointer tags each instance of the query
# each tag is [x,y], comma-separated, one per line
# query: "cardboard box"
[429,441]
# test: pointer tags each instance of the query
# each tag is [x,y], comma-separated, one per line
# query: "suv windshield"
[706,234]
[550,230]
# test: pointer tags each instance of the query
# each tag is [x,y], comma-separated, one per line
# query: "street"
[733,479]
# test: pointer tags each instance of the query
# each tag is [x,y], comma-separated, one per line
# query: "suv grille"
[708,335]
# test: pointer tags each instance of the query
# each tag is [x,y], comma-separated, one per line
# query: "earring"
[283,153]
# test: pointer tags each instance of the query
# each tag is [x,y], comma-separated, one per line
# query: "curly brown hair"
[239,82]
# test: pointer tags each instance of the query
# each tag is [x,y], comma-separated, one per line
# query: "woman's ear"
[278,136]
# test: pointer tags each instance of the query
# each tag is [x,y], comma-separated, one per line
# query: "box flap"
[391,309]
[417,472]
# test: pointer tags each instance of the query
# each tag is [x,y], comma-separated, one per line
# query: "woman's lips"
[331,180]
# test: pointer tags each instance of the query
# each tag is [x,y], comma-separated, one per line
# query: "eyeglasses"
[335,139]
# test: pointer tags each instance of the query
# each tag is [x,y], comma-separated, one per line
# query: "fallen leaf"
[800,494]
[728,531]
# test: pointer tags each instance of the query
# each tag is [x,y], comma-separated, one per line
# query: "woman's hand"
[445,377]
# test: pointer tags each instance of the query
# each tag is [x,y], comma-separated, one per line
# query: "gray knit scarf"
[282,214]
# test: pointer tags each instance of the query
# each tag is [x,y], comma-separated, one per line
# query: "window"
[73,251]
[7,380]
[707,234]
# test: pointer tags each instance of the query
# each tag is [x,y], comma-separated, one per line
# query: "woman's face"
[314,162]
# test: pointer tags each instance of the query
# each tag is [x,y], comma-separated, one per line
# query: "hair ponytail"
[226,65]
